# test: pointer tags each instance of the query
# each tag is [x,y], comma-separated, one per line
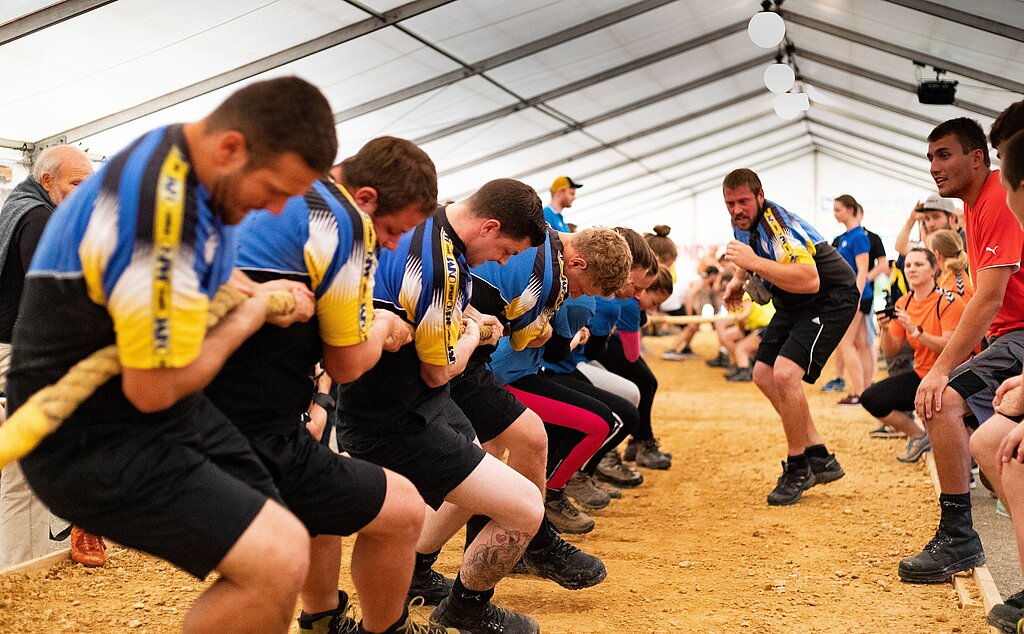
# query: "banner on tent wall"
[6,180]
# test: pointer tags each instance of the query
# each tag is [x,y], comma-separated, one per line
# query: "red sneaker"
[87,549]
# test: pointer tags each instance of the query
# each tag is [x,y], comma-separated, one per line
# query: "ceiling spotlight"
[779,78]
[766,29]
[789,105]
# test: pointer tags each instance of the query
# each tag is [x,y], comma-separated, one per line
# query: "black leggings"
[626,416]
[895,393]
[614,360]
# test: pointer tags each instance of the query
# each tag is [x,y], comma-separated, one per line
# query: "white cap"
[938,203]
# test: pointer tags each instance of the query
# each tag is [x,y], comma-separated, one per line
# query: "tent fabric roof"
[658,97]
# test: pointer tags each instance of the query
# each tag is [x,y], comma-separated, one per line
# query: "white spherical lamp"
[766,29]
[779,78]
[789,105]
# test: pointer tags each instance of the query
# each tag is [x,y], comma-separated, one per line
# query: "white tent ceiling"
[657,98]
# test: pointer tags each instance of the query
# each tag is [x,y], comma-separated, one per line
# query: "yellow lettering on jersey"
[170,208]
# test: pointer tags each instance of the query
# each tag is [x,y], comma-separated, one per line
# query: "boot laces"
[415,627]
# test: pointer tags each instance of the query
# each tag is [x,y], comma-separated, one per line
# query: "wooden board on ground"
[39,564]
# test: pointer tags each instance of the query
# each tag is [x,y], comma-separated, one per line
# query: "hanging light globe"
[766,29]
[779,78]
[789,105]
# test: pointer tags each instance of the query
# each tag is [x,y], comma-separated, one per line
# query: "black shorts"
[865,305]
[432,445]
[894,393]
[490,408]
[183,489]
[977,379]
[809,333]
[331,494]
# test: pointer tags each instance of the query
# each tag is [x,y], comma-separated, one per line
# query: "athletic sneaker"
[611,469]
[430,585]
[721,361]
[825,469]
[885,431]
[915,449]
[679,355]
[837,384]
[791,485]
[613,491]
[485,619]
[562,563]
[87,549]
[850,400]
[336,621]
[583,488]
[410,626]
[648,454]
[1001,509]
[1007,614]
[567,518]
[742,375]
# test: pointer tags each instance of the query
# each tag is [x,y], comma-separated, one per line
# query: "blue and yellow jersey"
[426,281]
[787,238]
[133,256]
[524,292]
[508,364]
[782,236]
[322,240]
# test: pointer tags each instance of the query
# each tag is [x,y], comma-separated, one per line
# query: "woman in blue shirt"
[854,246]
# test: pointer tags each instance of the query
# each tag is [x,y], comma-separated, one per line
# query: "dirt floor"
[695,549]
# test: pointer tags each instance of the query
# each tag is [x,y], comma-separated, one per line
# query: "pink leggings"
[560,406]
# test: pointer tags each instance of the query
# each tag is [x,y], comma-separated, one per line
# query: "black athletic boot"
[336,621]
[427,583]
[795,479]
[473,612]
[1005,616]
[551,557]
[826,469]
[955,547]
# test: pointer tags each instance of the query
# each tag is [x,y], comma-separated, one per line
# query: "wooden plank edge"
[38,564]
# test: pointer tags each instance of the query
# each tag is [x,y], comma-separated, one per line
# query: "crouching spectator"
[925,317]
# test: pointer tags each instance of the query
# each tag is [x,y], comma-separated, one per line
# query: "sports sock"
[394,626]
[473,598]
[545,535]
[424,561]
[798,462]
[816,451]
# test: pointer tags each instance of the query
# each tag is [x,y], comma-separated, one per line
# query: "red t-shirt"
[994,238]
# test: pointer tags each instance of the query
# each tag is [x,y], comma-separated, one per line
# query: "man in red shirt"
[952,399]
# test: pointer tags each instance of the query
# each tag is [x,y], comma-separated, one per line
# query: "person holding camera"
[925,317]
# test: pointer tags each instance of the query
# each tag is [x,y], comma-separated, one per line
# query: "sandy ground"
[695,549]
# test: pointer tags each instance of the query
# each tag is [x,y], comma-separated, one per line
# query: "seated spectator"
[743,336]
[925,317]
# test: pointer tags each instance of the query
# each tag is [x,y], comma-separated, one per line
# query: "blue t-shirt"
[556,220]
[575,314]
[629,315]
[851,244]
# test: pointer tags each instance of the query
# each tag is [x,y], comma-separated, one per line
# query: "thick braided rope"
[44,412]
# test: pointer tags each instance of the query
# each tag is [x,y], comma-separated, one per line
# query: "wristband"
[324,400]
